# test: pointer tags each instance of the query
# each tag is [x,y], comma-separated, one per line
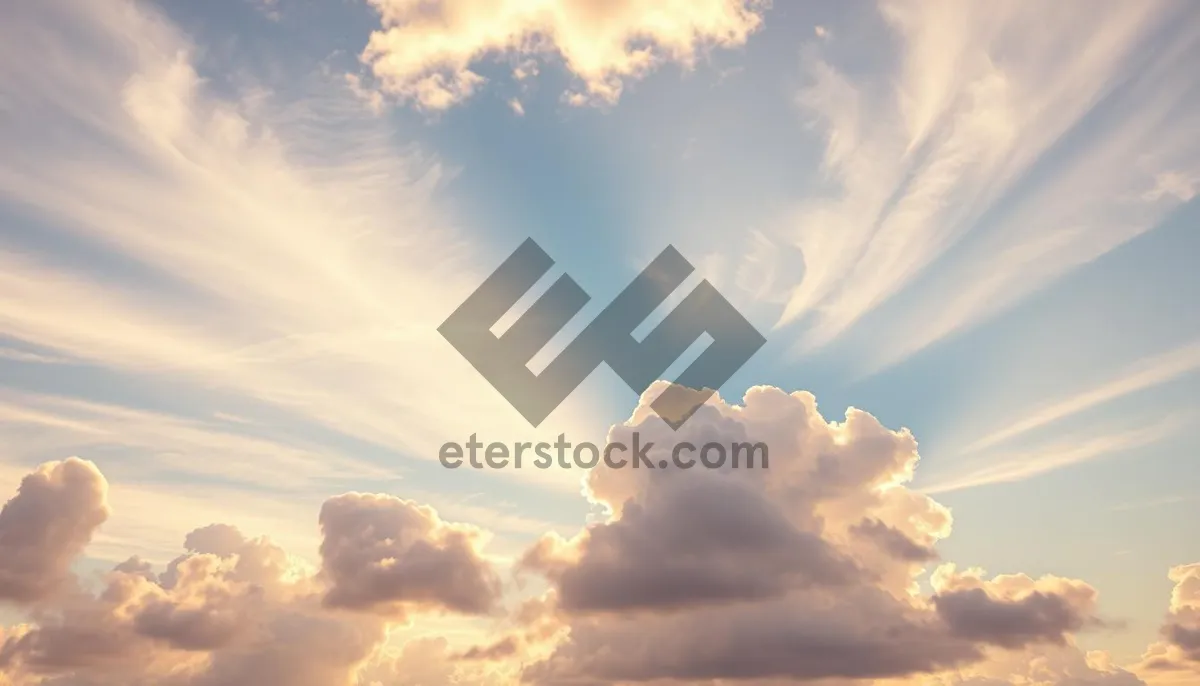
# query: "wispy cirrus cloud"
[1027,462]
[269,8]
[283,247]
[16,355]
[986,459]
[161,444]
[933,163]
[1147,373]
[175,471]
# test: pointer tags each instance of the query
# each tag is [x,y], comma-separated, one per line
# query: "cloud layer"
[810,570]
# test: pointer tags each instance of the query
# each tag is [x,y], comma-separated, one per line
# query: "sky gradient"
[229,231]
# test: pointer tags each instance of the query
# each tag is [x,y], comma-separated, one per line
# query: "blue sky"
[226,237]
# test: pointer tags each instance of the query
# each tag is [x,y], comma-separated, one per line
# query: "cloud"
[428,662]
[269,8]
[686,542]
[1179,650]
[1180,185]
[389,555]
[225,612]
[46,524]
[266,240]
[804,571]
[170,472]
[231,609]
[938,161]
[427,52]
[1012,611]
[984,460]
[163,442]
[1044,666]
[14,355]
[1007,467]
[1147,373]
[288,253]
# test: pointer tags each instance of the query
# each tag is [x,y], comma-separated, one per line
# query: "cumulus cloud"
[427,52]
[706,539]
[389,555]
[1179,649]
[1012,610]
[220,602]
[49,522]
[807,570]
[231,609]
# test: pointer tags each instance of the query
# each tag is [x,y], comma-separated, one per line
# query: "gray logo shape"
[607,338]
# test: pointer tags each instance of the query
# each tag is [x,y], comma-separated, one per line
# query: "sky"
[229,231]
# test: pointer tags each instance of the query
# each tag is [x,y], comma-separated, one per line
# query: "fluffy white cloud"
[426,52]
